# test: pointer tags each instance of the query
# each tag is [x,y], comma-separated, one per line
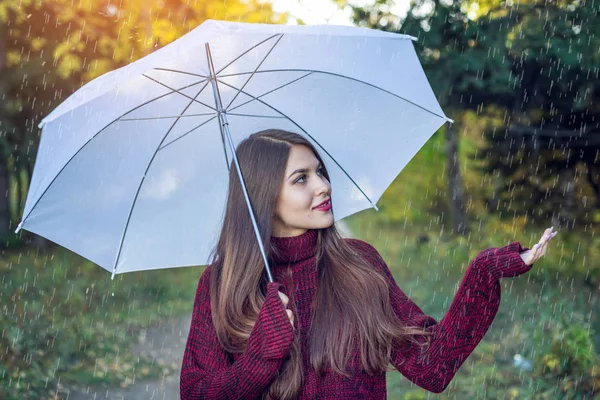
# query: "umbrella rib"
[346,77]
[253,72]
[168,87]
[173,116]
[249,50]
[188,132]
[309,135]
[271,91]
[102,130]
[231,62]
[142,183]
[180,72]
[249,101]
[218,103]
[253,115]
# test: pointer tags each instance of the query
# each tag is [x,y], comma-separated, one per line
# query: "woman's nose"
[323,187]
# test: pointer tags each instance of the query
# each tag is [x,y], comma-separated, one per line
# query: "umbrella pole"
[224,126]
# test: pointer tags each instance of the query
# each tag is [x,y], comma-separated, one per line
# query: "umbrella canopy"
[132,169]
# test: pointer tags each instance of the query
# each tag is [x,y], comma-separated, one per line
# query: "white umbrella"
[132,169]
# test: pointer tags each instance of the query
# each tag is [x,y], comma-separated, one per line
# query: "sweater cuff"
[273,334]
[505,262]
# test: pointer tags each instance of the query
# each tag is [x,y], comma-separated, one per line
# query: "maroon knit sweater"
[208,373]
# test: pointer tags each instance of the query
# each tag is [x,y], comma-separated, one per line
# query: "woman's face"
[301,192]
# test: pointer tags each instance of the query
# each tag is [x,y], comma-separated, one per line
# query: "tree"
[530,71]
[49,49]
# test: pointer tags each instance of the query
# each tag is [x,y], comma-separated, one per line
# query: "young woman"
[334,318]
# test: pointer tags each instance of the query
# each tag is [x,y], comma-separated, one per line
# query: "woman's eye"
[322,170]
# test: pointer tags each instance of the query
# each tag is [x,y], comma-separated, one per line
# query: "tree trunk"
[455,185]
[566,211]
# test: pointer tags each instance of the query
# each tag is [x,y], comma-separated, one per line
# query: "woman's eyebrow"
[302,170]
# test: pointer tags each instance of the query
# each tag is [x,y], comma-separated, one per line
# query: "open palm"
[539,249]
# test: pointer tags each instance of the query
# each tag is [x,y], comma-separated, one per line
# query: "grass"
[429,274]
[66,323]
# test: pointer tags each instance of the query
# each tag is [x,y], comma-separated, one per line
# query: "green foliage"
[65,322]
[567,353]
[541,316]
[50,48]
[532,68]
[422,181]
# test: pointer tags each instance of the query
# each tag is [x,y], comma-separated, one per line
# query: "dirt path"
[164,342]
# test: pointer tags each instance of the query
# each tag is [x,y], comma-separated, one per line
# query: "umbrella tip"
[19,227]
[112,276]
[375,207]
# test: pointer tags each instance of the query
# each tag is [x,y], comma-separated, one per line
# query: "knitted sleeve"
[464,325]
[207,373]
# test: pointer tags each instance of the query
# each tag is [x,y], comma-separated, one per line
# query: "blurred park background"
[520,79]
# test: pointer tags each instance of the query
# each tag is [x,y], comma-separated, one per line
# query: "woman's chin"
[327,223]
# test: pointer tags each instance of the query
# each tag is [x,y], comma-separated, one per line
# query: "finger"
[548,237]
[545,235]
[539,250]
[535,252]
[545,246]
[546,232]
[284,298]
[542,249]
[550,232]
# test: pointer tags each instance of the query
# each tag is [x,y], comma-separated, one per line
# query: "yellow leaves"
[67,65]
[73,42]
[235,10]
[3,12]
[38,43]
[99,40]
[15,7]
[551,362]
[513,393]
[216,10]
[13,58]
[98,67]
[122,53]
[87,5]
[105,43]
[66,14]
[162,29]
[66,61]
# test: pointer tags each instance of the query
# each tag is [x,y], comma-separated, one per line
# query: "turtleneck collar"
[294,249]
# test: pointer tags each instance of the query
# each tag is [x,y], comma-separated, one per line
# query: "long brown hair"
[352,305]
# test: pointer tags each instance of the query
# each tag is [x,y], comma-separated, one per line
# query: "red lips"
[325,206]
[320,205]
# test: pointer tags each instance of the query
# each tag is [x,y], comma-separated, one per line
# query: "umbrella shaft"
[224,126]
